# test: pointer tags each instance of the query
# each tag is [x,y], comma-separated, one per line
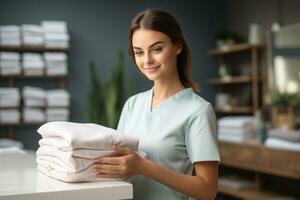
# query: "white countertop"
[20,180]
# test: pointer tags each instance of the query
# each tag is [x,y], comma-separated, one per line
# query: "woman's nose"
[148,58]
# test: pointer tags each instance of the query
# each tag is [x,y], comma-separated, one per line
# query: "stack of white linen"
[32,35]
[67,150]
[236,128]
[56,63]
[283,138]
[57,114]
[9,97]
[10,63]
[34,96]
[10,116]
[56,34]
[33,64]
[10,35]
[58,98]
[10,100]
[34,100]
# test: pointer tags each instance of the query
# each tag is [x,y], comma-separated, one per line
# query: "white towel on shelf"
[84,135]
[282,144]
[236,121]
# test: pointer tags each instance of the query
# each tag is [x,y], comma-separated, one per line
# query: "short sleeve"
[201,135]
[123,117]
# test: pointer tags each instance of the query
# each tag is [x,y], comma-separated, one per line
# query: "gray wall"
[240,13]
[99,29]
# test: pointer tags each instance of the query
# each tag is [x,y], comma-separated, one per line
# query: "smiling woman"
[176,127]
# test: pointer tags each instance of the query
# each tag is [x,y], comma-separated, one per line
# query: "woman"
[176,127]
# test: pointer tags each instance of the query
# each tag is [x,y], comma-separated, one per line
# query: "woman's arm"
[203,186]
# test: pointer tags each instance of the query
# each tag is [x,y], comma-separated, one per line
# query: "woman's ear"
[178,48]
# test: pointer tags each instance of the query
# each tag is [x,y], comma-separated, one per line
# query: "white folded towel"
[236,121]
[68,159]
[53,170]
[69,135]
[282,144]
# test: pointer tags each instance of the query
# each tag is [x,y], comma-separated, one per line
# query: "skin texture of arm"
[203,186]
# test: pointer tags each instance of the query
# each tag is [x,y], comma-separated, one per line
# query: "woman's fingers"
[109,160]
[107,167]
[108,176]
[122,150]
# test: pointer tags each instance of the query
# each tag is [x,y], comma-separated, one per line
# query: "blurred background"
[67,60]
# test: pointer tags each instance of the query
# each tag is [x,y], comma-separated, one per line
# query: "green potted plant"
[283,104]
[106,99]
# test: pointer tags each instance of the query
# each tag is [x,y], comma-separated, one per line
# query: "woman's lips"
[151,69]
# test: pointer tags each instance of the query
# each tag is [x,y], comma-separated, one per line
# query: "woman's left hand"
[126,165]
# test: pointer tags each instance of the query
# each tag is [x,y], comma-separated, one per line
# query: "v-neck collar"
[150,98]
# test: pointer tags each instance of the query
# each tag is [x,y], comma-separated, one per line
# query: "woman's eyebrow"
[155,43]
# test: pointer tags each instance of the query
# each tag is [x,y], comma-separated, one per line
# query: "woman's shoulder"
[196,101]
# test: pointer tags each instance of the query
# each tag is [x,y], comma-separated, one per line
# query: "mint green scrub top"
[180,131]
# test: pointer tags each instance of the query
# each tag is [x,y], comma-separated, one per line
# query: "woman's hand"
[127,164]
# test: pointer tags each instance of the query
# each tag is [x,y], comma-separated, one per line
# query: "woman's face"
[155,54]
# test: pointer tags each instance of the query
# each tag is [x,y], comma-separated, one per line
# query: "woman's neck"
[163,89]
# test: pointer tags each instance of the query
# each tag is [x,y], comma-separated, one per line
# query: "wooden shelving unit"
[31,49]
[11,79]
[258,159]
[256,52]
[229,110]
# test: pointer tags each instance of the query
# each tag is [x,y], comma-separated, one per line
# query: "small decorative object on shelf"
[225,39]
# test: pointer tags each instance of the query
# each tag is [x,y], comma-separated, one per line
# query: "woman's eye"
[138,53]
[157,49]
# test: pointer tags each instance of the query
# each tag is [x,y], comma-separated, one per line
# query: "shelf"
[259,158]
[22,124]
[234,48]
[236,109]
[31,77]
[30,48]
[230,80]
[247,193]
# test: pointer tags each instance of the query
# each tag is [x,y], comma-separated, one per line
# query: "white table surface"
[20,180]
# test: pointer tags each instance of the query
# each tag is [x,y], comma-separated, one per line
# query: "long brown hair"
[164,22]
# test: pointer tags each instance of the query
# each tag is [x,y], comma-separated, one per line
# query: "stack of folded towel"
[56,63]
[10,35]
[283,139]
[236,128]
[33,64]
[9,105]
[67,150]
[32,35]
[10,63]
[56,34]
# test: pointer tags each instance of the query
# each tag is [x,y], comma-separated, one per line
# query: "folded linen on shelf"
[10,116]
[236,121]
[54,26]
[282,144]
[10,64]
[14,42]
[4,55]
[285,134]
[33,92]
[51,56]
[32,115]
[10,28]
[84,135]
